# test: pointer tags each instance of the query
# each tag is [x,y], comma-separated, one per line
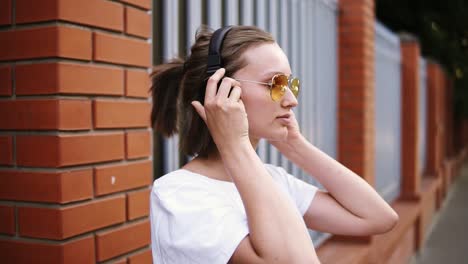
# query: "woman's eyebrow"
[270,74]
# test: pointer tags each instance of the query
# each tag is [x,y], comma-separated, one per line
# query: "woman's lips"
[284,116]
[284,119]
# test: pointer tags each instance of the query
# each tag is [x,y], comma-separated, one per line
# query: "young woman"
[226,205]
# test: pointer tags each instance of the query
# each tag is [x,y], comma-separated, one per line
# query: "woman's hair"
[177,83]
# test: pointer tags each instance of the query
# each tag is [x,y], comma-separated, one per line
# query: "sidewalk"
[447,240]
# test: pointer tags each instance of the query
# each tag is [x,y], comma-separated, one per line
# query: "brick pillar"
[450,119]
[442,116]
[411,180]
[75,164]
[356,87]
[442,140]
[434,77]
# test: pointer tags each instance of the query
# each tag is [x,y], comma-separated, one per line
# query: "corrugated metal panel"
[231,12]
[260,15]
[214,13]
[323,127]
[387,113]
[422,122]
[170,50]
[326,77]
[247,12]
[194,20]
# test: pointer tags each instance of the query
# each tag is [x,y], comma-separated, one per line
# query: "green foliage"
[442,29]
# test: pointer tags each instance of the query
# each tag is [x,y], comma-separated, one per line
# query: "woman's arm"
[351,206]
[277,233]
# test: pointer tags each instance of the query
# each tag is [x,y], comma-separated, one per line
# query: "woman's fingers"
[235,94]
[212,84]
[225,87]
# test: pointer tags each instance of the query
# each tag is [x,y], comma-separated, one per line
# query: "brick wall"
[75,142]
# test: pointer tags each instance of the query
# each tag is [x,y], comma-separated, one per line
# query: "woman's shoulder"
[184,182]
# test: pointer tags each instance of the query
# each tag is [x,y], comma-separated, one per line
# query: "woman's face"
[263,62]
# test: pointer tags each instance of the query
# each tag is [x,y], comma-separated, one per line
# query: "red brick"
[7,220]
[137,144]
[5,79]
[77,251]
[122,240]
[146,4]
[138,204]
[53,187]
[65,222]
[120,261]
[144,257]
[137,22]
[5,12]
[6,150]
[121,50]
[104,14]
[115,178]
[59,41]
[68,78]
[66,150]
[121,114]
[137,83]
[45,114]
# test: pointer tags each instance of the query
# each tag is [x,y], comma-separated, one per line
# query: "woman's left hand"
[293,138]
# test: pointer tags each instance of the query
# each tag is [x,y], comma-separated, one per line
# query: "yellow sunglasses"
[278,85]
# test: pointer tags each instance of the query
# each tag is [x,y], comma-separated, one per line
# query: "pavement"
[447,238]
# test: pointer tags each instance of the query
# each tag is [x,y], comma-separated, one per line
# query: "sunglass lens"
[295,85]
[279,86]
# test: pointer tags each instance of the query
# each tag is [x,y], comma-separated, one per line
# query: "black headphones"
[214,52]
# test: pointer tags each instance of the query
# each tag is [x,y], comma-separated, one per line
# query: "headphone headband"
[214,51]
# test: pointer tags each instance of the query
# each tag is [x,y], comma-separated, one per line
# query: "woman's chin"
[278,135]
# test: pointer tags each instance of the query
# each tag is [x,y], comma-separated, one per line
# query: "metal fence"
[387,112]
[422,122]
[307,32]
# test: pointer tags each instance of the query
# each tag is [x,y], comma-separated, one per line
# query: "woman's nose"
[289,100]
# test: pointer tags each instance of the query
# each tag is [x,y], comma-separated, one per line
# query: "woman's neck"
[212,165]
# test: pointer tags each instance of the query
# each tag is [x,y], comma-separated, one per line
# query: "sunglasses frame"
[270,84]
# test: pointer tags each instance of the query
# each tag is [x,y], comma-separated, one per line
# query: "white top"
[197,219]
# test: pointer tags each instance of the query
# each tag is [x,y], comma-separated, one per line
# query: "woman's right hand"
[224,113]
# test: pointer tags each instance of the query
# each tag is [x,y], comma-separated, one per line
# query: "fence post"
[356,87]
[450,118]
[433,122]
[411,180]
